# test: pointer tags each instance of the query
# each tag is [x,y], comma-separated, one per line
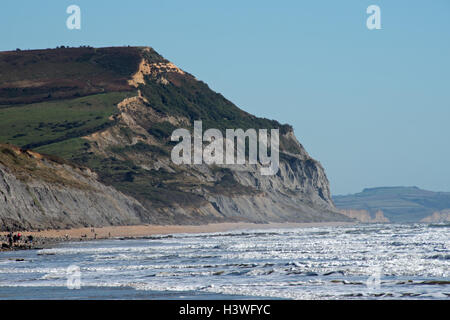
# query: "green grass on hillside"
[67,149]
[46,123]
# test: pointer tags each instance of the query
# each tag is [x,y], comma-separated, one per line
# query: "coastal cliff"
[110,123]
[398,204]
[37,192]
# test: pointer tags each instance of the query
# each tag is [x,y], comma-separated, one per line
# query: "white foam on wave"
[312,263]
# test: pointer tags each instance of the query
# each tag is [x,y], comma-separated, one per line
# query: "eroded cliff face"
[365,216]
[38,193]
[438,217]
[131,178]
[299,192]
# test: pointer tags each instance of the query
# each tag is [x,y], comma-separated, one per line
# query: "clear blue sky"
[372,106]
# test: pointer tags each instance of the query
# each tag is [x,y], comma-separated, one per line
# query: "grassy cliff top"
[42,75]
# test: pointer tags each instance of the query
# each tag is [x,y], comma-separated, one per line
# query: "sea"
[372,261]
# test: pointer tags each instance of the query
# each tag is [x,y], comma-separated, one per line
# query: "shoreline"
[52,237]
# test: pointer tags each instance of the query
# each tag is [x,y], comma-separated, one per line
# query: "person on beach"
[10,239]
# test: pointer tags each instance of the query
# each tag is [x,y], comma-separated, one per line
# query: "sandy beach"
[51,237]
